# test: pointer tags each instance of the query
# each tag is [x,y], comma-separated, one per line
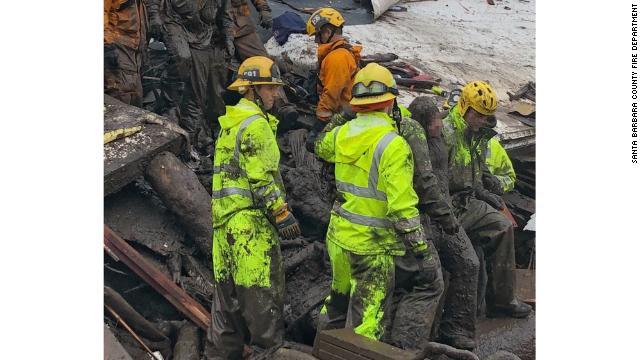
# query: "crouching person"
[374,218]
[249,210]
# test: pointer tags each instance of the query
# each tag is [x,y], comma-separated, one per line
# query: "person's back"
[368,154]
[374,217]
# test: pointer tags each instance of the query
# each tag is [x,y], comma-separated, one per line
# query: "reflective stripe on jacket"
[500,165]
[374,172]
[245,166]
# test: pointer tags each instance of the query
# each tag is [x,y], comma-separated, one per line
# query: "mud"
[513,335]
[305,289]
[310,187]
[188,343]
[138,215]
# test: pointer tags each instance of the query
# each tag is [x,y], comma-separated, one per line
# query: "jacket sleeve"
[425,181]
[325,145]
[396,169]
[107,24]
[335,74]
[501,167]
[262,157]
[261,5]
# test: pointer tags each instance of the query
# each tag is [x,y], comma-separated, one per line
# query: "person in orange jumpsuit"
[125,36]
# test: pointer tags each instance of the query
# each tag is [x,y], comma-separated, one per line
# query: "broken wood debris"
[116,302]
[154,277]
[344,344]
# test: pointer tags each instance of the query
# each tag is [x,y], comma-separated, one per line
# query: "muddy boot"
[515,309]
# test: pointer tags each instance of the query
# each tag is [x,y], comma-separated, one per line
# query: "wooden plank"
[195,312]
[371,349]
[341,353]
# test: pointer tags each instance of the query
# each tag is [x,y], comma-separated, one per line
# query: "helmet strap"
[396,114]
[259,101]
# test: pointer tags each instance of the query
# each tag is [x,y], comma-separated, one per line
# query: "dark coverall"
[194,33]
[458,258]
[245,38]
[417,292]
[456,252]
[487,227]
[125,34]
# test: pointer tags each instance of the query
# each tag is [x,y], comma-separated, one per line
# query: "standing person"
[458,322]
[477,209]
[245,38]
[195,33]
[125,36]
[337,65]
[374,218]
[249,211]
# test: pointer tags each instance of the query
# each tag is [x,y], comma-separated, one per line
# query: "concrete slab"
[125,159]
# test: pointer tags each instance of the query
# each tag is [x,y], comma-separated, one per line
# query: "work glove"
[492,199]
[335,121]
[449,224]
[110,56]
[286,223]
[265,19]
[155,27]
[312,136]
[492,184]
[415,242]
[229,46]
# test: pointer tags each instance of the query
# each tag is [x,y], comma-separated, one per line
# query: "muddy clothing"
[456,252]
[374,209]
[245,38]
[430,200]
[249,288]
[361,291]
[337,65]
[415,302]
[500,165]
[487,227]
[195,34]
[248,268]
[125,32]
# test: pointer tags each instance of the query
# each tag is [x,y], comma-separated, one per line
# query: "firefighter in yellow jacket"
[374,218]
[249,210]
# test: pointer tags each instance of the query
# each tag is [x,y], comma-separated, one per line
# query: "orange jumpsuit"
[125,29]
[338,62]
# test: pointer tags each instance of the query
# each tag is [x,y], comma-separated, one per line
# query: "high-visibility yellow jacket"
[500,165]
[245,166]
[374,179]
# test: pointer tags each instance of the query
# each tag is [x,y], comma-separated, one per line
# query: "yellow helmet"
[480,96]
[373,84]
[257,70]
[322,17]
